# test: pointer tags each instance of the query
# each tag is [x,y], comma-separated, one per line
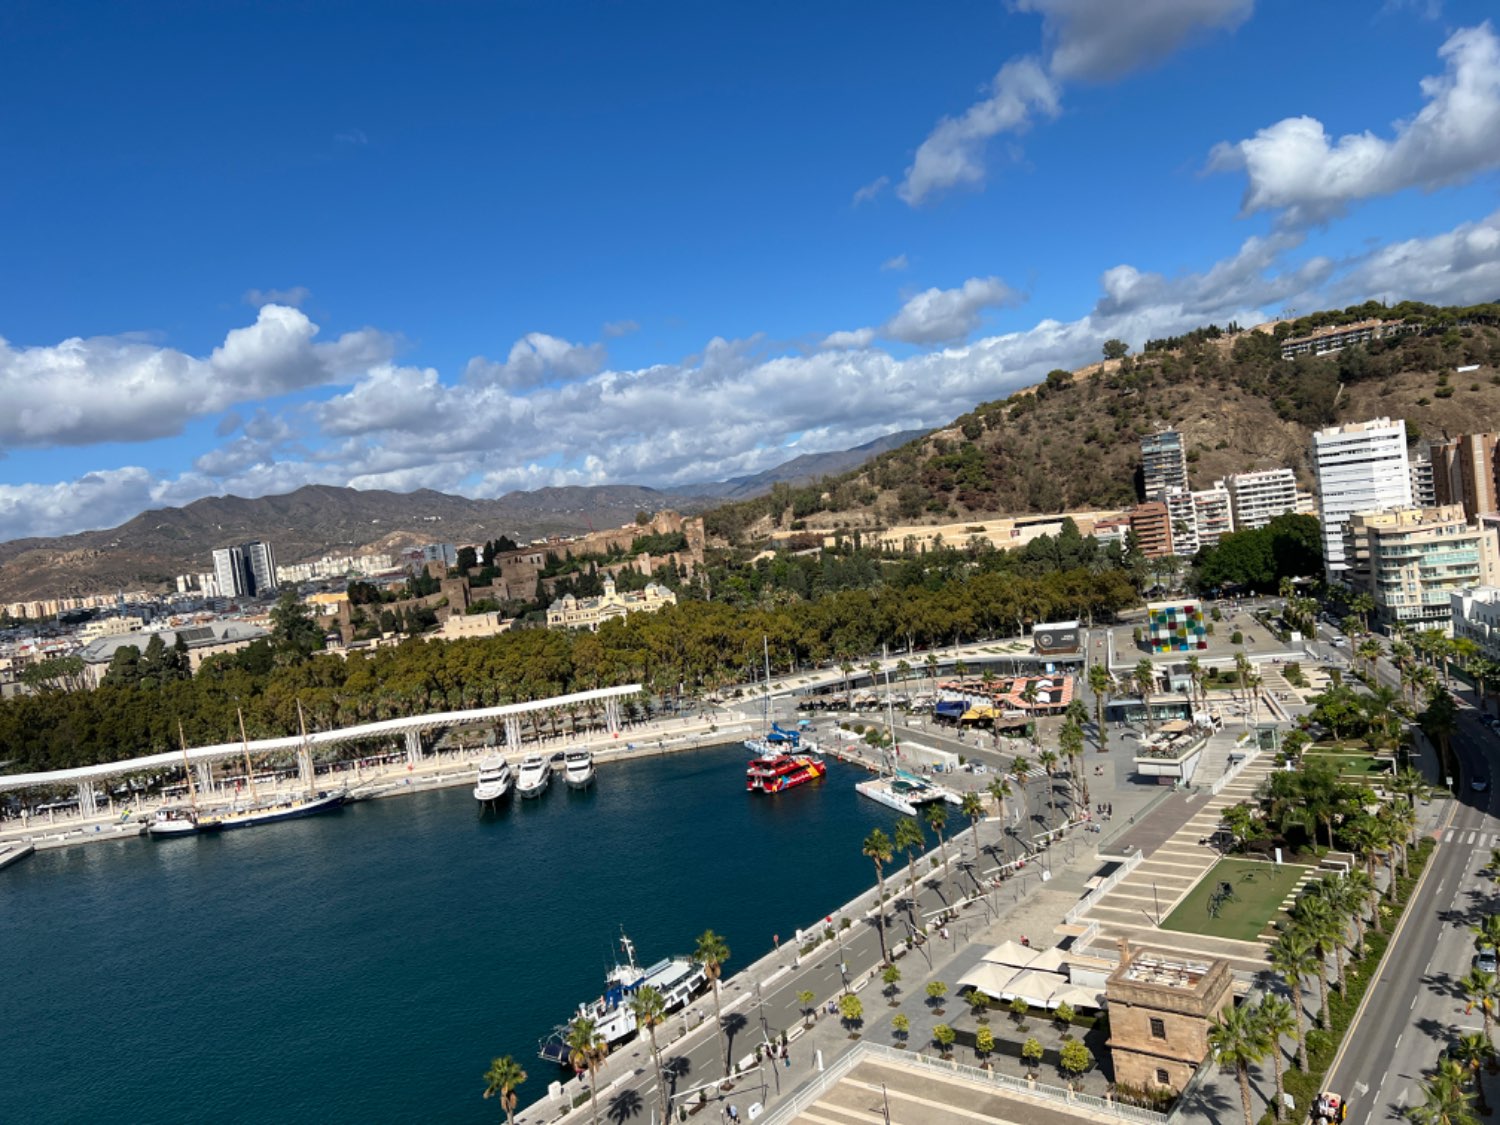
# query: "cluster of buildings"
[1175,519]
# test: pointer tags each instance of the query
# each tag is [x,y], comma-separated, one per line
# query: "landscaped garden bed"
[1258,890]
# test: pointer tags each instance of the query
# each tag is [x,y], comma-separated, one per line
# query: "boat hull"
[768,776]
[172,830]
[579,781]
[323,803]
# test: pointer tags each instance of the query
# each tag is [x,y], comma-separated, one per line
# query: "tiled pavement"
[1150,892]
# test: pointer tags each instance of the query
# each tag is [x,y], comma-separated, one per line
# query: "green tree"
[980,1003]
[851,1013]
[1102,684]
[712,952]
[909,839]
[1018,1009]
[1239,1041]
[1115,349]
[1031,1051]
[1473,1052]
[1294,956]
[984,1043]
[586,1051]
[943,1036]
[1481,990]
[937,820]
[901,1025]
[649,1007]
[501,1080]
[1445,1102]
[936,990]
[295,636]
[891,977]
[877,847]
[805,1000]
[1074,1057]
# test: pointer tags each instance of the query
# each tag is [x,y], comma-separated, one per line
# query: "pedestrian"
[734,1114]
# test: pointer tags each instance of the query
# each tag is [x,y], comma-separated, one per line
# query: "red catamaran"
[783,771]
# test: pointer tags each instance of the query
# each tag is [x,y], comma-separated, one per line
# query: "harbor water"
[367,965]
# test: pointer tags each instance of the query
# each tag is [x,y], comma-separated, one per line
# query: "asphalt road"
[1417,1008]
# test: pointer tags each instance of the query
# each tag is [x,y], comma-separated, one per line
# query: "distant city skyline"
[495,247]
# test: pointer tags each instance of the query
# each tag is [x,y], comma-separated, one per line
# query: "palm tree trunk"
[911,889]
[593,1092]
[1243,1073]
[1301,1025]
[885,957]
[719,1026]
[1323,989]
[1280,1090]
[661,1082]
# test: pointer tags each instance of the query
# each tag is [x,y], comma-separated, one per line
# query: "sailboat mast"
[765,707]
[306,749]
[187,768]
[245,743]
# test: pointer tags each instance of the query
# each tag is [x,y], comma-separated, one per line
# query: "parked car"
[1485,961]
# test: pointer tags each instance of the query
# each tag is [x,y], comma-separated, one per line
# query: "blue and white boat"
[678,979]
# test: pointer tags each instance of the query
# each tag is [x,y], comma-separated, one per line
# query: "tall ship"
[578,769]
[678,979]
[289,807]
[534,776]
[494,780]
[780,772]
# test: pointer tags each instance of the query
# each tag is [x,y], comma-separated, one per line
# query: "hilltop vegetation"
[1071,442]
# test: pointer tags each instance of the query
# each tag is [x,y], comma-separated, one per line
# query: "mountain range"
[150,550]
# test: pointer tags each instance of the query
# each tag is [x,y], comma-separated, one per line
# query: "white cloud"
[897,263]
[1103,40]
[295,296]
[734,409]
[953,154]
[1293,166]
[615,328]
[1089,40]
[940,316]
[871,190]
[535,358]
[857,338]
[116,388]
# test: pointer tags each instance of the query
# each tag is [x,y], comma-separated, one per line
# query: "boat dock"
[14,853]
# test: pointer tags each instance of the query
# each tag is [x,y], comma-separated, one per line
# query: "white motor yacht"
[578,770]
[494,779]
[534,776]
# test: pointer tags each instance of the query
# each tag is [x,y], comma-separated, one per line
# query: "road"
[1416,1007]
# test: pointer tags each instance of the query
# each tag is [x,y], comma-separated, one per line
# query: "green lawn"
[1258,891]
[1354,764]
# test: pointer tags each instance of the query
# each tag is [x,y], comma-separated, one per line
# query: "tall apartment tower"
[1423,484]
[1163,463]
[260,561]
[1476,470]
[1360,467]
[229,572]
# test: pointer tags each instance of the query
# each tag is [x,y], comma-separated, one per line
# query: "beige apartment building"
[1413,560]
[1463,472]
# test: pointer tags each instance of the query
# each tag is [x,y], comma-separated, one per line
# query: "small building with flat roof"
[1160,1007]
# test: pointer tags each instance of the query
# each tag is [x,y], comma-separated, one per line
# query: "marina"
[378,911]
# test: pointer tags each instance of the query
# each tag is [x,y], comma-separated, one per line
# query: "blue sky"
[479,247]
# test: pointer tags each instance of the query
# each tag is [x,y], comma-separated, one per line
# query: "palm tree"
[1242,670]
[1047,759]
[937,820]
[649,1007]
[1145,684]
[1239,1040]
[502,1078]
[1070,742]
[998,790]
[1472,1051]
[930,662]
[1481,990]
[1325,925]
[1294,956]
[909,839]
[1195,677]
[1446,1102]
[1101,683]
[1276,1019]
[1019,769]
[878,848]
[586,1050]
[972,806]
[711,953]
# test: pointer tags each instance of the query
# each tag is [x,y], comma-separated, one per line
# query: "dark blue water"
[367,965]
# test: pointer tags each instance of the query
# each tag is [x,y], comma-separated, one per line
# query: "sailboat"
[175,820]
[784,760]
[287,808]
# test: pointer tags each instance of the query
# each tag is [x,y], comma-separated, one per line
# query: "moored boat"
[533,777]
[781,772]
[578,770]
[174,820]
[494,780]
[678,979]
[268,812]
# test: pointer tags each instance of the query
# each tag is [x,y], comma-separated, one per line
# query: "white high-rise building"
[1163,463]
[1258,498]
[1214,513]
[229,571]
[1360,467]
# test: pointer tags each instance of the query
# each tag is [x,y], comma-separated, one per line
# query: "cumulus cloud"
[116,388]
[735,408]
[615,328]
[1295,168]
[953,154]
[1088,40]
[855,338]
[939,316]
[1103,40]
[295,296]
[535,358]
